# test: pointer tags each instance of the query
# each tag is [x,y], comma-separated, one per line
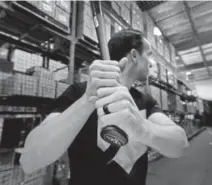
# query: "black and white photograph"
[105,92]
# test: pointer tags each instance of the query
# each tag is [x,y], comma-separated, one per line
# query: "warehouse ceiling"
[188,26]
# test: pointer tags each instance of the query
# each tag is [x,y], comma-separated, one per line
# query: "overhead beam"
[205,38]
[181,60]
[198,65]
[195,35]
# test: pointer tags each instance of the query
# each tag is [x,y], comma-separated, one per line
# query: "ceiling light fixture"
[157,32]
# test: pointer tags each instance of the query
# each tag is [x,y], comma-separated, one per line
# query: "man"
[78,117]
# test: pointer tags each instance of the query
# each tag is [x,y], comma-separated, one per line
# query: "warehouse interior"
[47,45]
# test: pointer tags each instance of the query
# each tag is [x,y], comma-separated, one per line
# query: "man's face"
[143,63]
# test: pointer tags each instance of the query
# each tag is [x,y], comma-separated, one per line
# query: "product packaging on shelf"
[46,88]
[48,7]
[150,31]
[38,72]
[60,88]
[65,5]
[62,16]
[20,84]
[85,22]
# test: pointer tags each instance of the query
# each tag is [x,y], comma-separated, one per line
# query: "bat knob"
[114,135]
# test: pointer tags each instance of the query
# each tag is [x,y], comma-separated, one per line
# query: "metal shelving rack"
[28,29]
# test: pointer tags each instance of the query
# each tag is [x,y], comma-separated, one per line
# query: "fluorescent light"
[188,73]
[157,32]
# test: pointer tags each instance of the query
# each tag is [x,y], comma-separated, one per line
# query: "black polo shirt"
[88,163]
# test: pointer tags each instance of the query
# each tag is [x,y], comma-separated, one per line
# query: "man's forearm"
[169,140]
[50,140]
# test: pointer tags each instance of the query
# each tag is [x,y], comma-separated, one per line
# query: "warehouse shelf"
[26,12]
[31,31]
[33,48]
[23,100]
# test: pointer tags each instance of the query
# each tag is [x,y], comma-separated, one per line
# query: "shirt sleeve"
[152,106]
[66,99]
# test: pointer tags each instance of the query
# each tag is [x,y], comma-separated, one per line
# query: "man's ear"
[133,54]
[123,63]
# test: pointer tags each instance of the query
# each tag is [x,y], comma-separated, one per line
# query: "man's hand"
[124,112]
[101,74]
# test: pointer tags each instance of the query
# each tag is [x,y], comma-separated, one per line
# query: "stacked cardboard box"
[164,100]
[160,45]
[20,84]
[170,78]
[137,18]
[60,88]
[45,81]
[46,88]
[153,71]
[163,73]
[62,12]
[38,72]
[47,6]
[3,76]
[150,30]
[172,101]
[23,60]
[156,94]
[4,51]
[85,22]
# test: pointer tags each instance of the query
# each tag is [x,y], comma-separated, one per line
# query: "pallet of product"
[154,71]
[150,30]
[65,5]
[163,73]
[20,84]
[85,22]
[3,76]
[46,88]
[60,88]
[62,16]
[160,45]
[40,72]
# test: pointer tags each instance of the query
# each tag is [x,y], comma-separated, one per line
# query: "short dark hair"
[123,41]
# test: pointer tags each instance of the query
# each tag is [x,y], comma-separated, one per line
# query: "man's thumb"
[122,63]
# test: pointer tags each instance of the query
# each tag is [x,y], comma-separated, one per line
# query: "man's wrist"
[88,103]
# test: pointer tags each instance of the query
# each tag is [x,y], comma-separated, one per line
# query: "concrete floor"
[194,168]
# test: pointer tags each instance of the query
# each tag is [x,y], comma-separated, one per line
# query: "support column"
[72,47]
